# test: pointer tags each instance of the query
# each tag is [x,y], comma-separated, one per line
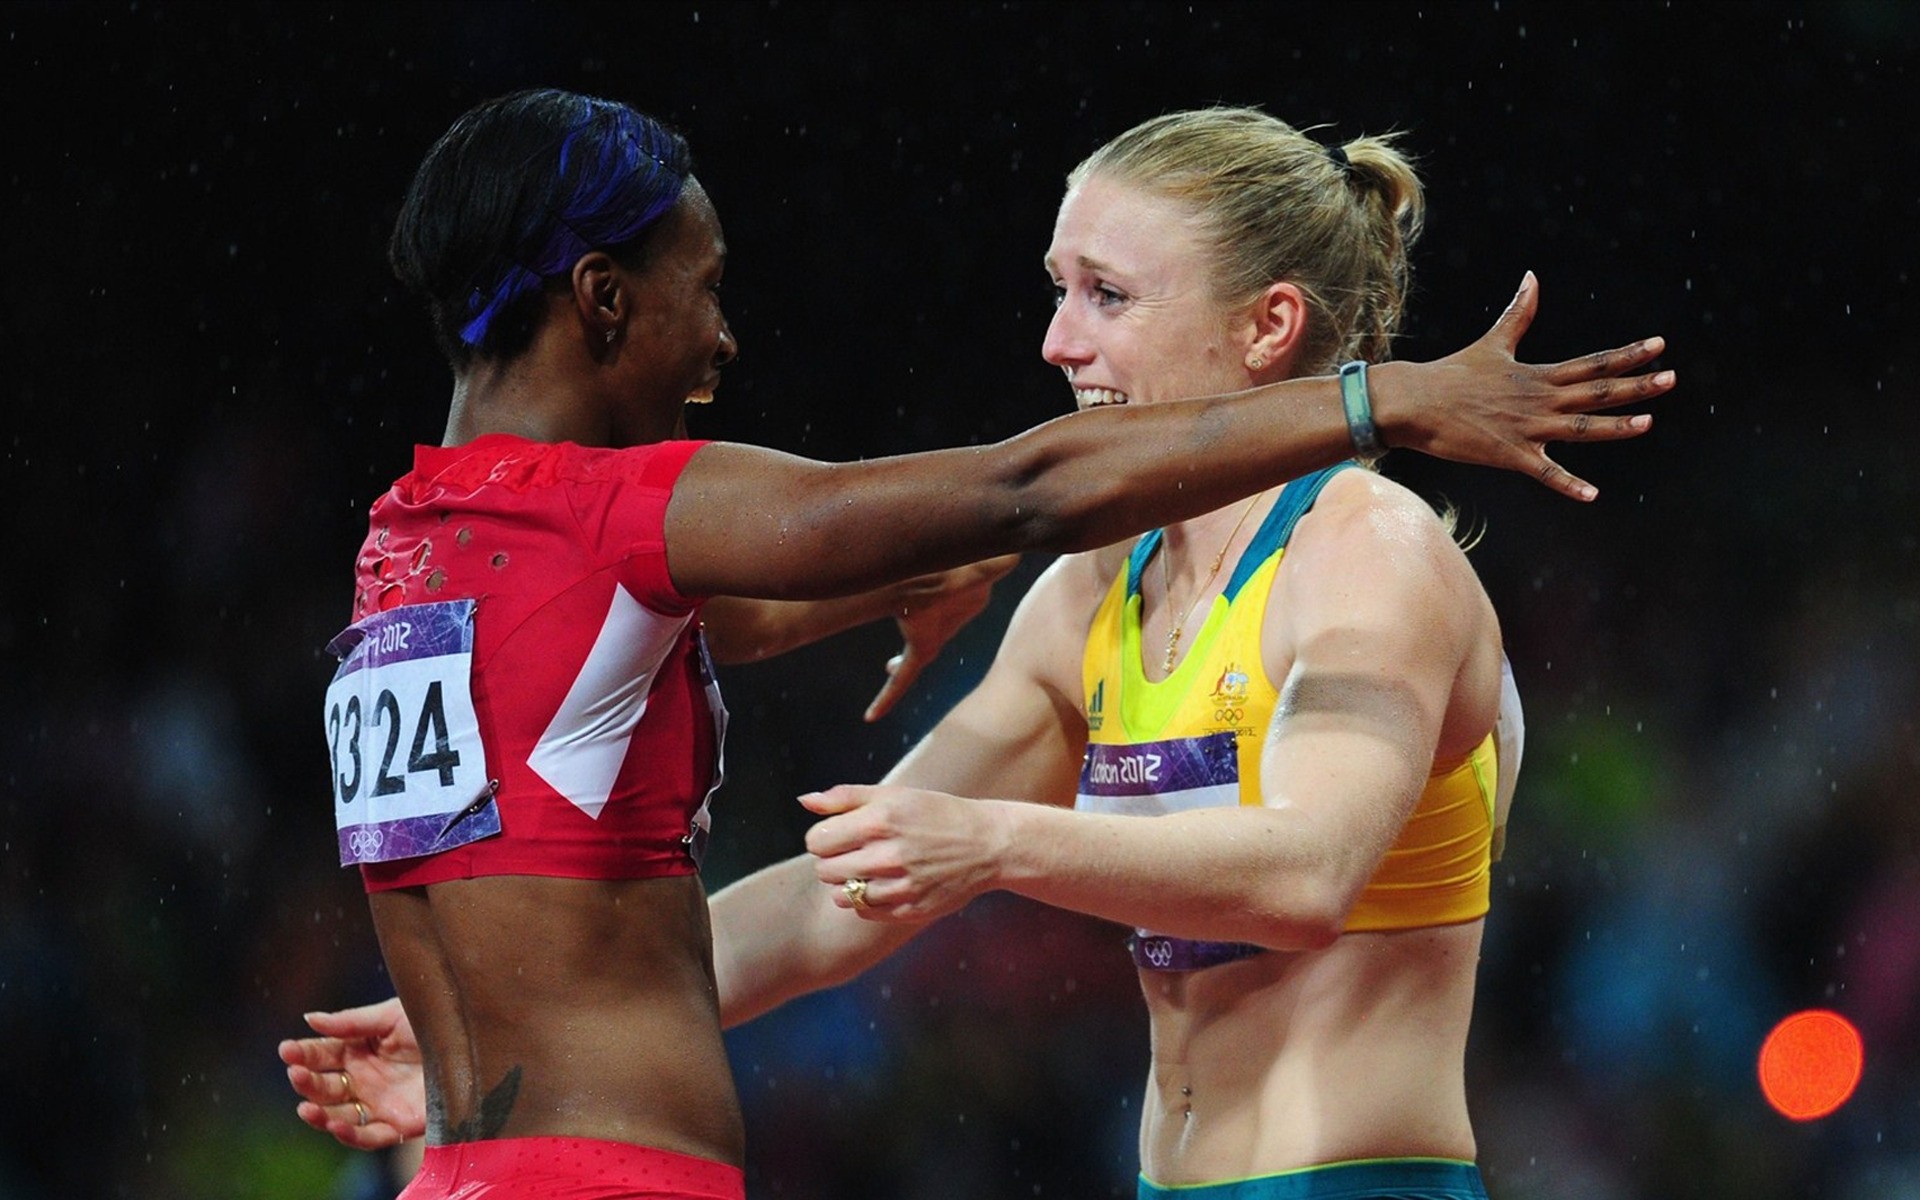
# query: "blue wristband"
[1359,406]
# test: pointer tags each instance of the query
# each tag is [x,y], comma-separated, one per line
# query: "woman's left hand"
[903,854]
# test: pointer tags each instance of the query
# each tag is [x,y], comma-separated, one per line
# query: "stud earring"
[1256,363]
[609,337]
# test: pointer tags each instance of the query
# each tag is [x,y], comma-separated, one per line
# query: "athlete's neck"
[1191,546]
[545,394]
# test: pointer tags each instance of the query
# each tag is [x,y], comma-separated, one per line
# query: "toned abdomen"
[1289,1060]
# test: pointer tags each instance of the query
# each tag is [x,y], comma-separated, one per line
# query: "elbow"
[1043,517]
[1303,931]
[737,641]
[1310,915]
[1049,503]
[1315,933]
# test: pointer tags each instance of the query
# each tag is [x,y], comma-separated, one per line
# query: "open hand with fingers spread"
[360,1080]
[1481,405]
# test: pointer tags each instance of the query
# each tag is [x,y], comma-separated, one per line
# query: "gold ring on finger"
[856,890]
[361,1109]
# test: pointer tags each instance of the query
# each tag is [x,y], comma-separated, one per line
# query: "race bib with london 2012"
[1154,779]
[409,772]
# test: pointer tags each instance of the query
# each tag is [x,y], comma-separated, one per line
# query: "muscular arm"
[1379,617]
[751,522]
[779,934]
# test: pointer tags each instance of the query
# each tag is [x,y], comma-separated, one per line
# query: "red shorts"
[567,1168]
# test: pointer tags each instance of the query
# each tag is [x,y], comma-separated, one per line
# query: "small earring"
[1256,363]
[609,337]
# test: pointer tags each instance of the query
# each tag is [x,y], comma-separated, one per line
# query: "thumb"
[844,798]
[902,669]
[995,568]
[332,1024]
[1515,321]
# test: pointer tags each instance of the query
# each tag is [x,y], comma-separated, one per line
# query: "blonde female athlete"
[600,1034]
[1263,737]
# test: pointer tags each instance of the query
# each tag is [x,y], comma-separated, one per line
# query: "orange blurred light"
[1810,1064]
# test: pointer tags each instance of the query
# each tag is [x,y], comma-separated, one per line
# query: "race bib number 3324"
[409,772]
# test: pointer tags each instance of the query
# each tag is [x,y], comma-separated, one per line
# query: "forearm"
[746,631]
[1099,477]
[1271,877]
[778,935]
[1095,478]
[1090,479]
[1345,762]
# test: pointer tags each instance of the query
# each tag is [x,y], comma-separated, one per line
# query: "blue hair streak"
[618,172]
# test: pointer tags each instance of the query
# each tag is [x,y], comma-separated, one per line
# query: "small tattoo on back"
[495,1108]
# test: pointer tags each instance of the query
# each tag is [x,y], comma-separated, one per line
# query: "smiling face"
[677,334]
[1134,319]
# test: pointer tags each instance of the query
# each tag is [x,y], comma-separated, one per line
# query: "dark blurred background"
[211,373]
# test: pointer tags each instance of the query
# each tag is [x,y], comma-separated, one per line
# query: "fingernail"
[1588,491]
[1664,378]
[1640,421]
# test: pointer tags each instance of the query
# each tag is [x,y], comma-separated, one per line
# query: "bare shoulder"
[1072,587]
[1048,633]
[1362,516]
[1372,546]
[1372,571]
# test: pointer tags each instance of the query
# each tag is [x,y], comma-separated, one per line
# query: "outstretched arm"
[1380,619]
[781,932]
[754,522]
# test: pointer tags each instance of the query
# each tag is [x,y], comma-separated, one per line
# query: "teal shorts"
[1371,1179]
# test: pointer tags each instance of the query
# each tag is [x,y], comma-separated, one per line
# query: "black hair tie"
[1339,156]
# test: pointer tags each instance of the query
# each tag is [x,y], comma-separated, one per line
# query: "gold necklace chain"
[1166,583]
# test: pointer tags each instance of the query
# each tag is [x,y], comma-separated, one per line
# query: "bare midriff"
[1296,1059]
[565,1007]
